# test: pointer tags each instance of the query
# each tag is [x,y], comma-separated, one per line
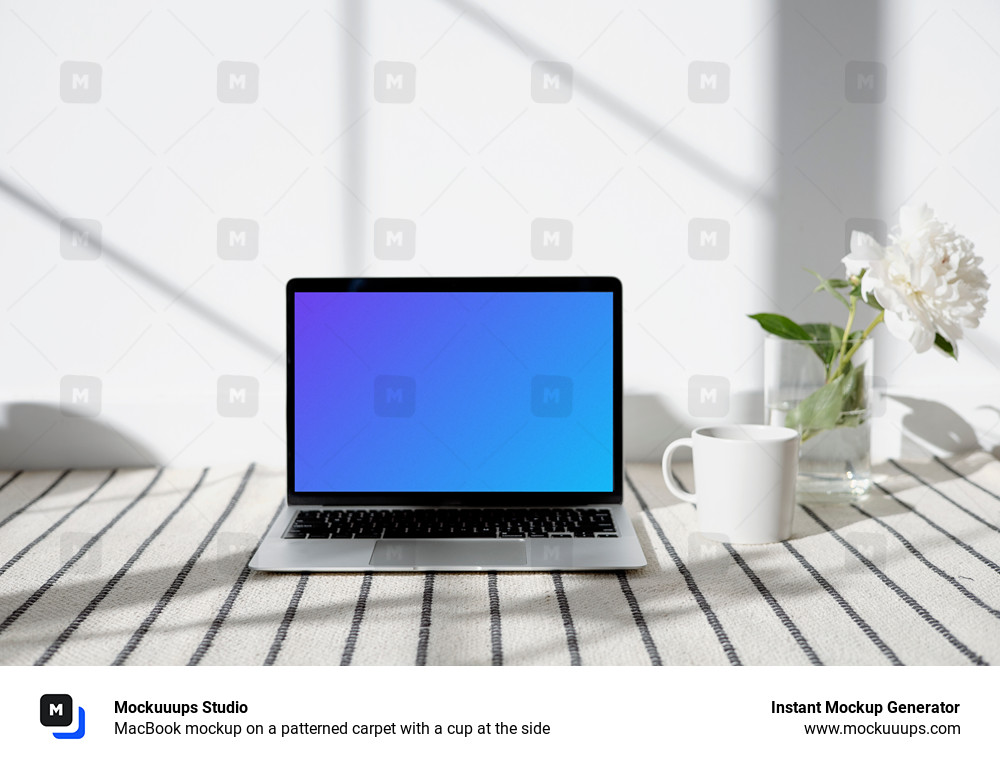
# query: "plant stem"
[868,331]
[847,334]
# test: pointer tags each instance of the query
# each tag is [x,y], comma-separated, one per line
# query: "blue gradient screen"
[454,392]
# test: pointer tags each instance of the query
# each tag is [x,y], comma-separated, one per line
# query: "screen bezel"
[444,285]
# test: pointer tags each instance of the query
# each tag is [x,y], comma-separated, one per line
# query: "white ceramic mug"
[744,481]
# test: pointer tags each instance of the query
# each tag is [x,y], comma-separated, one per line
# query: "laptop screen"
[453,392]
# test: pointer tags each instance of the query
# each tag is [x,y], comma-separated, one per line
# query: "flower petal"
[912,218]
[865,249]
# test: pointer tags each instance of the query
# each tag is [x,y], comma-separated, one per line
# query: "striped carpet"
[142,567]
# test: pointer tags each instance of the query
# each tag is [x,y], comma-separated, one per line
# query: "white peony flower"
[928,279]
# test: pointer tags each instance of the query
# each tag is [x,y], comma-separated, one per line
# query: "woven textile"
[149,567]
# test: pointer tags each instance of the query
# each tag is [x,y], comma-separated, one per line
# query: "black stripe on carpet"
[957,473]
[929,564]
[713,620]
[13,616]
[20,554]
[171,591]
[424,635]
[31,502]
[778,610]
[206,642]
[640,620]
[960,543]
[843,604]
[286,621]
[902,594]
[496,638]
[958,505]
[768,597]
[567,619]
[61,639]
[10,480]
[359,614]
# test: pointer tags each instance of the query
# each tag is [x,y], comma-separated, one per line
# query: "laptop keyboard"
[504,523]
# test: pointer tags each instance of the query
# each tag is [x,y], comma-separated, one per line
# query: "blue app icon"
[57,710]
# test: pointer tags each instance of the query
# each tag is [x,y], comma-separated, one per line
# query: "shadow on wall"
[937,426]
[651,422]
[40,436]
[609,100]
[136,268]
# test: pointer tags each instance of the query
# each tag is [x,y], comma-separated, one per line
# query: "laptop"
[453,424]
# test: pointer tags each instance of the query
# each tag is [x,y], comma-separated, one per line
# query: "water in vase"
[834,465]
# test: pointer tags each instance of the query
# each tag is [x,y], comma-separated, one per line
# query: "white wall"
[785,160]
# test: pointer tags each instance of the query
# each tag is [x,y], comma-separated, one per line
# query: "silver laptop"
[453,424]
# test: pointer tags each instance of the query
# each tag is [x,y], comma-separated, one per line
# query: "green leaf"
[821,410]
[854,391]
[836,284]
[851,421]
[831,286]
[841,403]
[781,326]
[942,343]
[872,301]
[827,339]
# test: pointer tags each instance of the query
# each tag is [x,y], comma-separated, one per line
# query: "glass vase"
[810,386]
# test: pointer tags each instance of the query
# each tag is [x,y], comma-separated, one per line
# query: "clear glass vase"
[809,386]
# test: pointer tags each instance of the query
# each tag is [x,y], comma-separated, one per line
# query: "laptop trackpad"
[472,554]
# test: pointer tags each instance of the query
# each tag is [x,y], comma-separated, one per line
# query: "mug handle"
[668,475]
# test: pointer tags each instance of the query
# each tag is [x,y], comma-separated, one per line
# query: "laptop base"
[278,554]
